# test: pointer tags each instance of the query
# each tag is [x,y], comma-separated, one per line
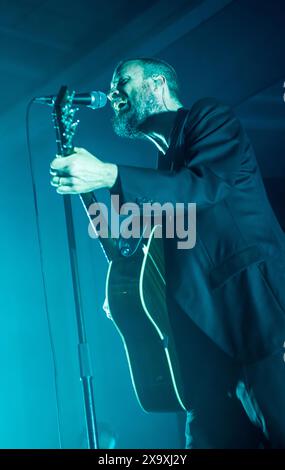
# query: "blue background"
[232,50]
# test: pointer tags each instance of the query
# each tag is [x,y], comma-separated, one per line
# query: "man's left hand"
[81,172]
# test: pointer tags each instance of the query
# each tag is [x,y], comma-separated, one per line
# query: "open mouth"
[121,106]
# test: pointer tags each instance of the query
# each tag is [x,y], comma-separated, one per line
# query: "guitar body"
[135,290]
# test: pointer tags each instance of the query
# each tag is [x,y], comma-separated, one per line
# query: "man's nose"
[113,95]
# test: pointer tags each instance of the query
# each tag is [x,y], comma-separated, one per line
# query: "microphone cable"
[35,202]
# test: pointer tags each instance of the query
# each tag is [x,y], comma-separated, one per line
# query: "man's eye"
[123,81]
[119,84]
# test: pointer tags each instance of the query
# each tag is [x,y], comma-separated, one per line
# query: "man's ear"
[159,80]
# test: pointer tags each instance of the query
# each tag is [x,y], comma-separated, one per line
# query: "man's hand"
[81,172]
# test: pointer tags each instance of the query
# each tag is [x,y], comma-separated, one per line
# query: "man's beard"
[129,123]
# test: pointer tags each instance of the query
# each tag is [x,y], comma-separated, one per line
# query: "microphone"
[93,99]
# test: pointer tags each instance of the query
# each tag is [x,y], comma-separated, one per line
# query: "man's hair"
[153,66]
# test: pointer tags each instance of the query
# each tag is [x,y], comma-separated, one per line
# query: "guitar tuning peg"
[68,120]
[69,99]
[66,111]
[74,110]
[75,124]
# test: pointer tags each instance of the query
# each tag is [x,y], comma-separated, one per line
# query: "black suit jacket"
[232,283]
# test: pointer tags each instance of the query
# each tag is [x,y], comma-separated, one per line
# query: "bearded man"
[228,291]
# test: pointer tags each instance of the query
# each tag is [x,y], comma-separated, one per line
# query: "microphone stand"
[65,127]
[83,347]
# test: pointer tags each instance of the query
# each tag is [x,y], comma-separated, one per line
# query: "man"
[228,291]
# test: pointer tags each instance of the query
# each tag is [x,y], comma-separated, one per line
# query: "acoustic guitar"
[136,295]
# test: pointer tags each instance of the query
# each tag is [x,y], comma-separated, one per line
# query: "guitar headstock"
[64,121]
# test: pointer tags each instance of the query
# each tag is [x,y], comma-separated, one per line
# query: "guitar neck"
[108,244]
[65,126]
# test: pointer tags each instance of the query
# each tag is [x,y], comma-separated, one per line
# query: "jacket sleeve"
[214,143]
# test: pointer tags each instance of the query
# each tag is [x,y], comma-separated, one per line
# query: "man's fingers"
[65,185]
[63,164]
[63,181]
[67,190]
[63,172]
[59,164]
